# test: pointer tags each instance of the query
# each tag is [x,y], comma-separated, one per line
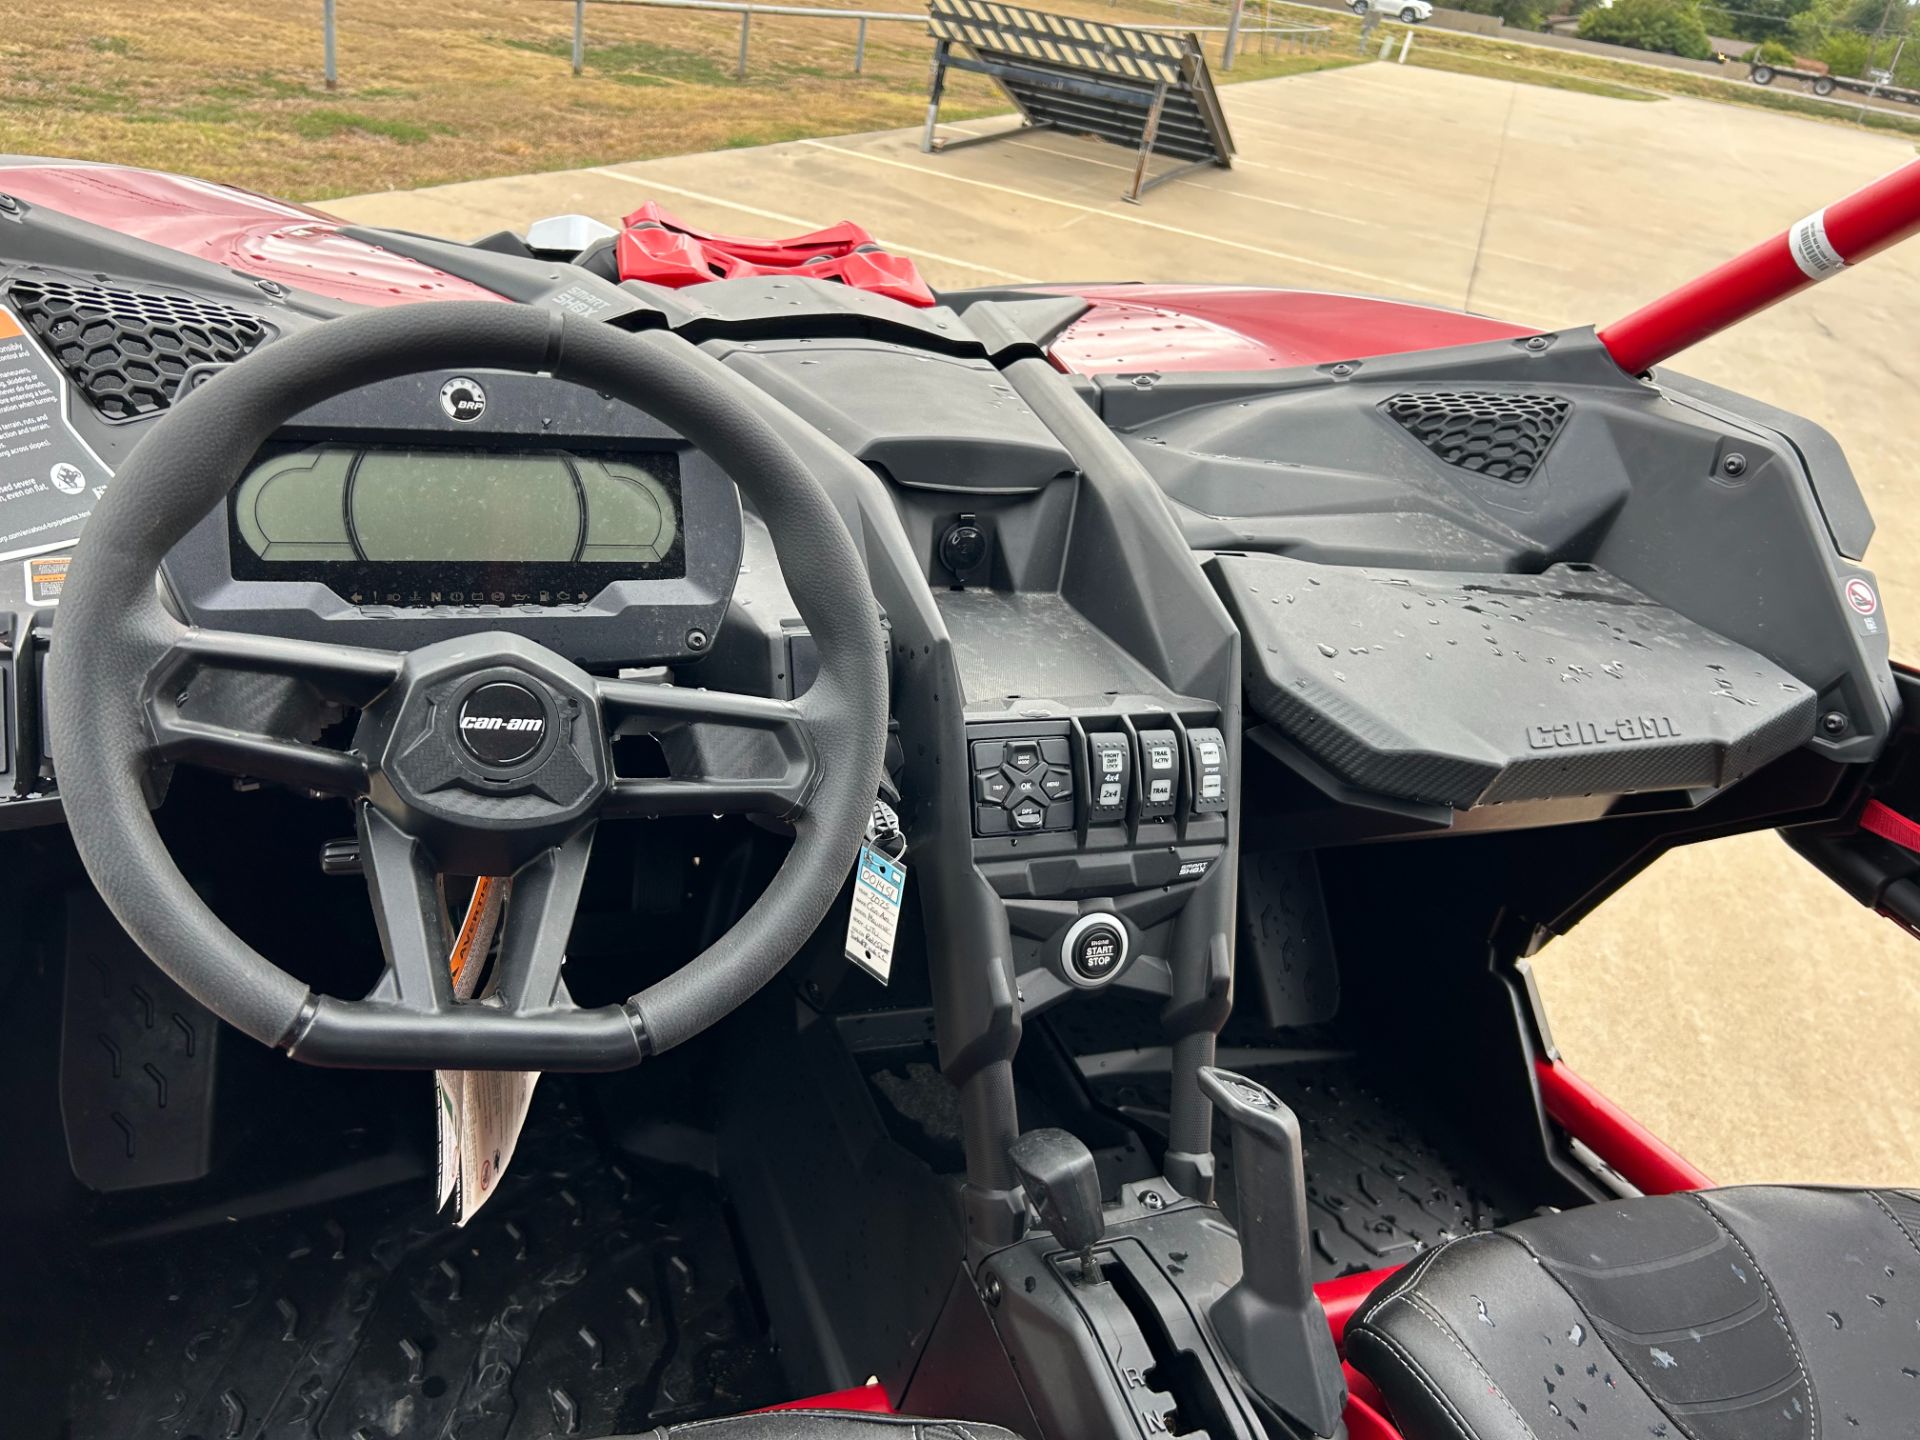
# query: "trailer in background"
[1823,84]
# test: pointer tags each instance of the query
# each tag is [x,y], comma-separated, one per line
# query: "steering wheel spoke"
[539,919]
[206,706]
[729,754]
[410,912]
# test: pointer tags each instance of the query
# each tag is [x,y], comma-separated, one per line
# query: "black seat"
[828,1425]
[1759,1313]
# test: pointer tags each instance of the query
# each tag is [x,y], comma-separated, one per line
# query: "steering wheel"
[129,688]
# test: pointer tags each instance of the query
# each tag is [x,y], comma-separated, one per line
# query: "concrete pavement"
[1734,1001]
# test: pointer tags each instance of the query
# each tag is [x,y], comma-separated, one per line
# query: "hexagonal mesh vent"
[127,349]
[1502,436]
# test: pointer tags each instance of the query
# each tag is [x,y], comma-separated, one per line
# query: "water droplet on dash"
[1663,1359]
[1577,1335]
[1838,1323]
[1481,1306]
[1328,650]
[1879,1301]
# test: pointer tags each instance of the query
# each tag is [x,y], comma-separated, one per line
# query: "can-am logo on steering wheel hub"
[462,399]
[502,723]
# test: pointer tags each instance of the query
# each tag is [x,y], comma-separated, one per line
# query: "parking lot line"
[647,182]
[1383,282]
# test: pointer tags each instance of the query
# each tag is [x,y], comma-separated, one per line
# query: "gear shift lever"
[1062,1184]
[1270,1321]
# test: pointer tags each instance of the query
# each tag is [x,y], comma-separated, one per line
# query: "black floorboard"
[1383,1182]
[595,1295]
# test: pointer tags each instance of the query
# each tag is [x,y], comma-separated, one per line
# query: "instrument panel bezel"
[627,622]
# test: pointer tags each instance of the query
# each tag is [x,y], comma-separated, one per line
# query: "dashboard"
[450,503]
[1116,604]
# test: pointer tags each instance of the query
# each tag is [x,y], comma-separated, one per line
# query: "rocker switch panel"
[1109,778]
[1159,773]
[1210,782]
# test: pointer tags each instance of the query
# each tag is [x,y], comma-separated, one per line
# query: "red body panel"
[1129,328]
[1846,232]
[1135,328]
[270,239]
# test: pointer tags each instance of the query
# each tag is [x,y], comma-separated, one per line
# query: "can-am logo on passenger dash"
[1576,733]
[462,399]
[500,722]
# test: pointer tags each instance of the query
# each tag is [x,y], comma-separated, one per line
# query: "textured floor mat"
[1379,1190]
[592,1296]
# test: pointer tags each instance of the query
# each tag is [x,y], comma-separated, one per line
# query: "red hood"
[271,239]
[1129,328]
[1219,327]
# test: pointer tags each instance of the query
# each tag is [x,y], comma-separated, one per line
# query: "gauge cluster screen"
[438,525]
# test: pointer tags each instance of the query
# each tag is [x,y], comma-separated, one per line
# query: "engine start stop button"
[1093,949]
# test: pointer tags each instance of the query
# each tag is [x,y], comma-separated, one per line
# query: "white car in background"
[1409,12]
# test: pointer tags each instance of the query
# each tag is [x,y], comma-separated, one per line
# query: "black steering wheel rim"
[114,636]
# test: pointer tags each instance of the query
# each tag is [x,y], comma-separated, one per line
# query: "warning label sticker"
[46,578]
[49,478]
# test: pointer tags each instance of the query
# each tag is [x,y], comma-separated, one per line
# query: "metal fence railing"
[1236,38]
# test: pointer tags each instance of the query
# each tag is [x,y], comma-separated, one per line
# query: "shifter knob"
[1270,1322]
[1063,1185]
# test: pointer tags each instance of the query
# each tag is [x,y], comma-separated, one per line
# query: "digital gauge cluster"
[415,526]
[531,504]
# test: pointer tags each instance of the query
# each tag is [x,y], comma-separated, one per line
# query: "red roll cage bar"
[1824,243]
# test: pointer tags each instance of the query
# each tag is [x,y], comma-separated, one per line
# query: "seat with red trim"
[1757,1313]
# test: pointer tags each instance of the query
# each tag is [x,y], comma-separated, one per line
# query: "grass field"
[440,90]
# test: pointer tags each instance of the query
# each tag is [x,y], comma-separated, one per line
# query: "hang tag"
[448,1089]
[493,1111]
[879,887]
[479,1113]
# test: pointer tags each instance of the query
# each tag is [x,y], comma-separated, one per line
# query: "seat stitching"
[1420,1267]
[1427,1383]
[1898,1223]
[1600,1334]
[1793,1341]
[1472,1359]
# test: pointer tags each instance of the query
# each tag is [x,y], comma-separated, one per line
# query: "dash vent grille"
[128,349]
[1502,436]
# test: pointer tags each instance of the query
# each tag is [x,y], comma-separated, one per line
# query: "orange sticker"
[46,578]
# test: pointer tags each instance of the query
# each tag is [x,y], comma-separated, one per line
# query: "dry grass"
[1591,74]
[432,90]
[442,90]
